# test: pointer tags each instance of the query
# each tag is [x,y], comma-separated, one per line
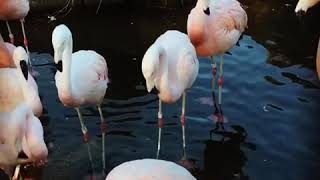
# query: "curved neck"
[27,90]
[162,66]
[66,68]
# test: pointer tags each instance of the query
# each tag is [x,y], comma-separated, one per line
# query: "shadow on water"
[271,91]
[224,158]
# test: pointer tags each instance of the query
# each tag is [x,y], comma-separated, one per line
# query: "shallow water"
[271,92]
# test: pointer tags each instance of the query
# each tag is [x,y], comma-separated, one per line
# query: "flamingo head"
[20,58]
[61,42]
[150,64]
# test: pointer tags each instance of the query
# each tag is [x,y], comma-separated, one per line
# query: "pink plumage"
[218,31]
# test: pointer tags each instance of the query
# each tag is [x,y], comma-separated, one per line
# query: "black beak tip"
[24,68]
[207,11]
[59,65]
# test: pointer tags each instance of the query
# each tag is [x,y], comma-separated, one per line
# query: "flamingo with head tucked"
[214,27]
[171,65]
[82,78]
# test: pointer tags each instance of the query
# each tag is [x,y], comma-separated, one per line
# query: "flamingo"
[20,131]
[149,169]
[12,10]
[18,86]
[214,27]
[82,78]
[171,65]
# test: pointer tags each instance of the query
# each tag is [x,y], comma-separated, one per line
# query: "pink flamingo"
[149,169]
[171,65]
[20,131]
[12,10]
[82,78]
[214,27]
[18,86]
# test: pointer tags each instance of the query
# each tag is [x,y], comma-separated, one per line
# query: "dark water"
[270,97]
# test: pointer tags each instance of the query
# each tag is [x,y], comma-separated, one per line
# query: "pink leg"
[11,36]
[160,126]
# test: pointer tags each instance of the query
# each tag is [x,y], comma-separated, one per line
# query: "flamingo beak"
[24,68]
[59,65]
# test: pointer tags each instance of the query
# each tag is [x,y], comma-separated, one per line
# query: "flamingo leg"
[183,120]
[220,81]
[214,72]
[11,36]
[85,135]
[160,125]
[103,127]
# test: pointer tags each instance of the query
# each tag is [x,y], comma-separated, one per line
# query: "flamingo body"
[216,33]
[14,9]
[149,169]
[171,65]
[88,80]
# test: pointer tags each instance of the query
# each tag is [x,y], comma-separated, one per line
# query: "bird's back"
[89,75]
[13,9]
[149,169]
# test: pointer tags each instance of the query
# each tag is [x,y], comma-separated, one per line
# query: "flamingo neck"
[161,66]
[29,93]
[66,69]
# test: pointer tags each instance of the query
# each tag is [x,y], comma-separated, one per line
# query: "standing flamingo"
[20,131]
[171,65]
[82,78]
[149,169]
[214,27]
[12,10]
[18,86]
